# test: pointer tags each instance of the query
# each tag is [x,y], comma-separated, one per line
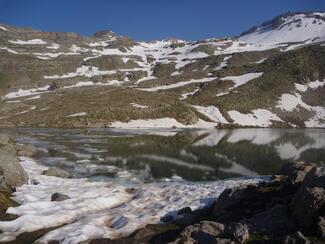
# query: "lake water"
[173,155]
[180,168]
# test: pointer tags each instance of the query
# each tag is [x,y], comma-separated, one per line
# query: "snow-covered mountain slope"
[271,76]
[288,28]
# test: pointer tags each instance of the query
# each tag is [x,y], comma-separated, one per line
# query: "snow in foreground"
[100,209]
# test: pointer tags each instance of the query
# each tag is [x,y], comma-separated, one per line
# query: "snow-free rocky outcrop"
[270,76]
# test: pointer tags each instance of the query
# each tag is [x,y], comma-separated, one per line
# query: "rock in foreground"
[288,209]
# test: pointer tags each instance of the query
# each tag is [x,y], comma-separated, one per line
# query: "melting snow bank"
[161,123]
[99,209]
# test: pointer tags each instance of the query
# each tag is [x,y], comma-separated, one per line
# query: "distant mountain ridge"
[272,75]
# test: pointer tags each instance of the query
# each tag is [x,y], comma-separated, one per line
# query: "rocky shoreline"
[12,173]
[290,208]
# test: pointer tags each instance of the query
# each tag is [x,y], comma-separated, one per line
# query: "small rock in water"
[57,172]
[59,197]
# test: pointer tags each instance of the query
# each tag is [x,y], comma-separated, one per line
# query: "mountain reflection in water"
[172,155]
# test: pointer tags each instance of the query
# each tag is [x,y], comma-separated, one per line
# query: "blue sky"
[150,19]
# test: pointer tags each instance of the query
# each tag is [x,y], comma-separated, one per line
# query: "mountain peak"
[104,34]
[301,26]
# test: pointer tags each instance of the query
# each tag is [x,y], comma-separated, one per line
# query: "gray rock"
[12,173]
[56,197]
[296,238]
[321,227]
[57,172]
[4,139]
[203,232]
[237,232]
[10,149]
[296,171]
[26,150]
[309,201]
[212,228]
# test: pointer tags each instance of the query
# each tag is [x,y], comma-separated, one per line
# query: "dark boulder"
[59,197]
[309,201]
[275,221]
[236,204]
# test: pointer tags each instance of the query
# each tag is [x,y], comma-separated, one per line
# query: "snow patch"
[139,106]
[186,95]
[161,123]
[239,81]
[224,63]
[87,71]
[242,79]
[289,102]
[176,85]
[78,114]
[258,117]
[212,113]
[25,93]
[3,28]
[29,42]
[53,46]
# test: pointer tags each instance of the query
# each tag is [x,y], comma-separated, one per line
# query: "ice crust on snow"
[100,209]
